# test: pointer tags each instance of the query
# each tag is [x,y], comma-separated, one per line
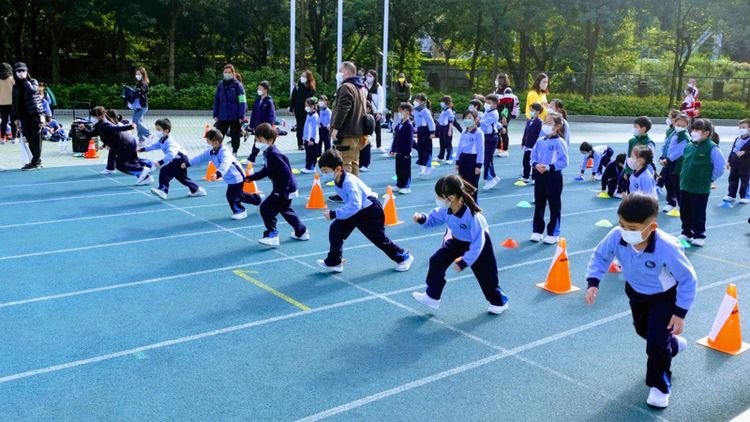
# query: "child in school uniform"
[53,130]
[229,170]
[324,133]
[675,154]
[642,180]
[403,139]
[365,149]
[171,165]
[277,168]
[530,135]
[641,126]
[612,174]
[445,130]
[661,286]
[664,181]
[600,155]
[469,244]
[490,125]
[470,151]
[361,210]
[508,107]
[557,106]
[739,165]
[425,126]
[549,158]
[310,134]
[703,163]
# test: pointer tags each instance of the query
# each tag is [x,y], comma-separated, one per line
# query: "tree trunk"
[20,7]
[300,58]
[523,60]
[677,54]
[475,55]
[592,43]
[54,51]
[174,14]
[34,36]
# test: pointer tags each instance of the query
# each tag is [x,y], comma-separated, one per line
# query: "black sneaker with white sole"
[336,198]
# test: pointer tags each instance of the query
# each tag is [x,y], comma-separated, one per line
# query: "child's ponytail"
[458,187]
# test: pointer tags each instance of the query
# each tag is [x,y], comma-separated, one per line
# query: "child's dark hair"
[643,121]
[681,116]
[98,111]
[642,151]
[471,113]
[265,85]
[164,124]
[560,105]
[558,119]
[638,208]
[492,98]
[476,103]
[585,147]
[620,158]
[406,106]
[458,187]
[744,122]
[266,131]
[536,107]
[447,99]
[702,124]
[323,98]
[330,159]
[113,115]
[423,98]
[312,101]
[214,135]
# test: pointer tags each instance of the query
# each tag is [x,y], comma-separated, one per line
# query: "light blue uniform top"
[643,181]
[227,166]
[464,226]
[170,148]
[490,122]
[355,194]
[447,117]
[596,155]
[552,152]
[423,118]
[325,116]
[310,131]
[471,142]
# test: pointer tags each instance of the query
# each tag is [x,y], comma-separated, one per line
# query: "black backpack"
[368,124]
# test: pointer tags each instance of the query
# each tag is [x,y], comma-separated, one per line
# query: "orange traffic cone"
[726,335]
[91,153]
[316,201]
[391,217]
[210,171]
[509,243]
[615,267]
[558,277]
[590,163]
[250,187]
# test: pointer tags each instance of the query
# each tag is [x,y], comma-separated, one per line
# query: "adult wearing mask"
[304,89]
[348,113]
[401,92]
[141,90]
[376,96]
[230,106]
[6,102]
[29,113]
[538,94]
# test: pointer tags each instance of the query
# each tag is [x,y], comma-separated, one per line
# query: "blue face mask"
[327,177]
[261,146]
[467,123]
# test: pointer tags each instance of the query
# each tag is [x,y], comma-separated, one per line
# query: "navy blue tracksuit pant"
[467,164]
[446,142]
[311,154]
[671,183]
[693,214]
[173,170]
[235,198]
[365,156]
[424,147]
[324,140]
[651,315]
[403,170]
[274,205]
[371,223]
[484,268]
[490,144]
[548,189]
[739,176]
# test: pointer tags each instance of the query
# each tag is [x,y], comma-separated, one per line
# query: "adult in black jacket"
[29,113]
[304,90]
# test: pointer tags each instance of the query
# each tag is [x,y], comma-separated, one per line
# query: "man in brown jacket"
[348,113]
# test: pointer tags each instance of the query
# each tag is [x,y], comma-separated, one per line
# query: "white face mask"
[370,79]
[443,106]
[468,123]
[308,109]
[261,146]
[303,79]
[636,132]
[547,129]
[695,135]
[159,134]
[742,132]
[339,77]
[417,104]
[632,163]
[497,84]
[227,76]
[398,117]
[260,92]
[138,77]
[632,237]
[669,122]
[679,129]
[321,104]
[532,114]
[442,203]
[543,85]
[487,107]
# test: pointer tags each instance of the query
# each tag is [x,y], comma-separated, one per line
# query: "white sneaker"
[681,343]
[728,199]
[422,169]
[365,169]
[306,171]
[667,208]
[657,399]
[504,154]
[617,195]
[426,300]
[160,193]
[386,155]
[147,181]
[335,269]
[428,171]
[271,242]
[381,149]
[106,172]
[524,179]
[497,310]
[536,237]
[745,201]
[598,177]
[685,238]
[144,174]
[404,191]
[395,188]
[489,184]
[240,215]
[200,192]
[406,264]
[698,242]
[550,240]
[448,162]
[304,236]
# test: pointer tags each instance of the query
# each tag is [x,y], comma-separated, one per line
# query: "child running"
[403,139]
[739,165]
[468,245]
[549,158]
[227,169]
[661,286]
[470,151]
[362,211]
[276,167]
[171,165]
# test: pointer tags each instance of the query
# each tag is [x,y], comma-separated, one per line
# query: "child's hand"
[591,293]
[541,168]
[593,177]
[457,268]
[676,325]
[477,170]
[740,153]
[183,166]
[134,126]
[327,214]
[212,177]
[416,217]
[156,164]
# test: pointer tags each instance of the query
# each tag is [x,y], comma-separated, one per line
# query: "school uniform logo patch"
[463,226]
[551,147]
[650,264]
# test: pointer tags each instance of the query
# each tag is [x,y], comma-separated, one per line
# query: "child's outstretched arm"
[599,263]
[351,207]
[435,218]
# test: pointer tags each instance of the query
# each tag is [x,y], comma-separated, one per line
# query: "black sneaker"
[336,198]
[28,167]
